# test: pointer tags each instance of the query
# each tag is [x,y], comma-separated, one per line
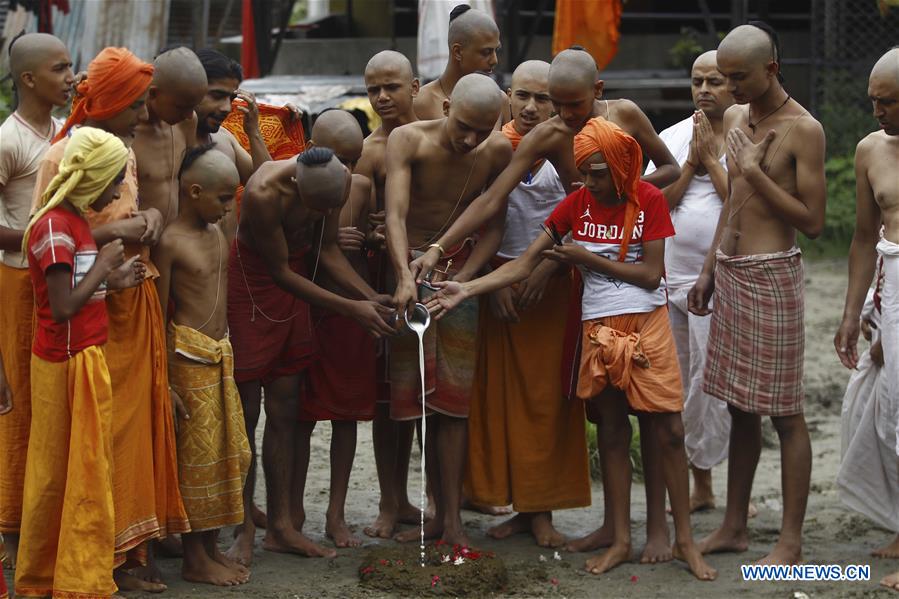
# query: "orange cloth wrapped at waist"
[16,335]
[68,526]
[636,354]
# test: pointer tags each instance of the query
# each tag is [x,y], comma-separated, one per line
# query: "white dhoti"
[868,479]
[889,328]
[706,419]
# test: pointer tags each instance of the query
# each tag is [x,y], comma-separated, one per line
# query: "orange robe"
[146,494]
[68,484]
[527,442]
[16,333]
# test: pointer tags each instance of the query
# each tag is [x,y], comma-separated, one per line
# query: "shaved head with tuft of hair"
[390,60]
[211,169]
[478,93]
[469,25]
[574,67]
[322,181]
[31,50]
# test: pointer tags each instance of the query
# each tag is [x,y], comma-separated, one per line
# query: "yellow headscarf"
[90,163]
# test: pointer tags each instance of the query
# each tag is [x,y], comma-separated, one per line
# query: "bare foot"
[241,551]
[128,582]
[230,563]
[601,537]
[724,541]
[782,555]
[11,545]
[170,547]
[753,511]
[544,532]
[260,519]
[433,530]
[657,548]
[148,573]
[208,571]
[698,566]
[517,524]
[292,541]
[890,551]
[456,537]
[337,530]
[409,514]
[383,527]
[490,510]
[611,557]
[891,581]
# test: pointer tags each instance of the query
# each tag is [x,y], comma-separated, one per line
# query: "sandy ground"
[832,533]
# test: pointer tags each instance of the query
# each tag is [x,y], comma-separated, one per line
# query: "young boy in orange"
[68,528]
[628,359]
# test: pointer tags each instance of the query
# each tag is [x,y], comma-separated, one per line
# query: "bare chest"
[884,179]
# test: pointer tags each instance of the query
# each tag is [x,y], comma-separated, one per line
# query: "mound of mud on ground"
[448,570]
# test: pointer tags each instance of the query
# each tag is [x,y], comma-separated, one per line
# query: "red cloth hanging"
[249,60]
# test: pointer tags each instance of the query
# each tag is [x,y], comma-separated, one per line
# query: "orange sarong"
[16,334]
[636,354]
[68,532]
[145,474]
[526,441]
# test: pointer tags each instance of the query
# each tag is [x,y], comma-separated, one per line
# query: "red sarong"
[342,383]
[270,329]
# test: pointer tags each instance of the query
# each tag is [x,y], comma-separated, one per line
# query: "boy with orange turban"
[113,98]
[628,361]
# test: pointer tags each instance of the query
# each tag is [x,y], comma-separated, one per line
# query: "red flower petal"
[633,579]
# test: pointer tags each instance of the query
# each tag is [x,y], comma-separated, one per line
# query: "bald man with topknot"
[753,274]
[877,203]
[576,91]
[42,74]
[270,293]
[473,40]
[434,169]
[179,86]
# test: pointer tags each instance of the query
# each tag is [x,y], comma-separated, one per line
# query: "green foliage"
[685,50]
[6,100]
[840,222]
[635,451]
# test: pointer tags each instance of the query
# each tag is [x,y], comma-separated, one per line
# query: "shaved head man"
[269,298]
[576,92]
[473,43]
[775,165]
[877,203]
[392,87]
[42,74]
[339,131]
[434,168]
[178,87]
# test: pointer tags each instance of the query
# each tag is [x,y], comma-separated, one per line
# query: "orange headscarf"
[625,160]
[116,78]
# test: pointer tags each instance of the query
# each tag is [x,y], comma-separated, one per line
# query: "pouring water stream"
[418,322]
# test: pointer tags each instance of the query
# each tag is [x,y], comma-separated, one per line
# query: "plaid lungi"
[757,336]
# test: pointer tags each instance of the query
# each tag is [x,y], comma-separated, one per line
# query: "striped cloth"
[757,336]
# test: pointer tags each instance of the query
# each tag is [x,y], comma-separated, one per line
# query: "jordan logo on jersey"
[587,214]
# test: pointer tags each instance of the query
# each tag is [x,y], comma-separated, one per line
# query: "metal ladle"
[418,319]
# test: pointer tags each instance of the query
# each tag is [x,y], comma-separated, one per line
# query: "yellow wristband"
[439,248]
